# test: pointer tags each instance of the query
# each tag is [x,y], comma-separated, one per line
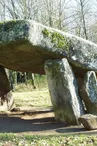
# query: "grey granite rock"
[6,97]
[25,45]
[89,121]
[64,91]
[89,92]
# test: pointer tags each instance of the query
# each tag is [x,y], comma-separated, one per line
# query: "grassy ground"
[62,140]
[32,99]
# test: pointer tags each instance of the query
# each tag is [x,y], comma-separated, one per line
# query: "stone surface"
[89,92]
[89,121]
[5,93]
[26,45]
[64,91]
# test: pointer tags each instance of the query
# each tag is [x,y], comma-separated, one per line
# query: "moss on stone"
[46,32]
[14,30]
[9,25]
[57,39]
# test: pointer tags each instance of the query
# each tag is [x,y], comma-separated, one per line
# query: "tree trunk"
[83,19]
[33,81]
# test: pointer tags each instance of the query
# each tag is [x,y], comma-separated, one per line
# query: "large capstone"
[26,45]
[64,91]
[89,92]
[5,92]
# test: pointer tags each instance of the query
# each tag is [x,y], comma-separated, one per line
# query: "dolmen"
[69,62]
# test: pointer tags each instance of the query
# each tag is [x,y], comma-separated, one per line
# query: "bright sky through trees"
[67,15]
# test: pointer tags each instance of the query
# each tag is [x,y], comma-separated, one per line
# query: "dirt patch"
[34,115]
[42,123]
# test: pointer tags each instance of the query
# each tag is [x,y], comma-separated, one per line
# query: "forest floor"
[34,115]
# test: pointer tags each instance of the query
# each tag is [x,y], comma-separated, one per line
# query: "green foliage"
[27,84]
[41,81]
[51,140]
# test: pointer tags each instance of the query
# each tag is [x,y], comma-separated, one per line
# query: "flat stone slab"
[89,121]
[25,45]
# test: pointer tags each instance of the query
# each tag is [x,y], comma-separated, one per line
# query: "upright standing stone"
[5,91]
[64,91]
[89,92]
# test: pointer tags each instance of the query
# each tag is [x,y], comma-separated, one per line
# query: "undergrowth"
[50,140]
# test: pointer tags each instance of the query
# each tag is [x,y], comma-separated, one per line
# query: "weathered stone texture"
[4,83]
[64,91]
[5,93]
[89,92]
[26,45]
[89,121]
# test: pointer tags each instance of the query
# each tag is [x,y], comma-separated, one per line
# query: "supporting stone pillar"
[7,101]
[64,91]
[89,92]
